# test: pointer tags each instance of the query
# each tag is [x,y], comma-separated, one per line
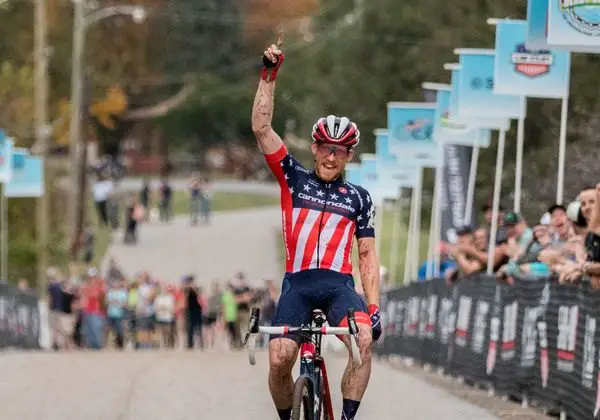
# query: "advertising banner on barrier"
[19,319]
[391,173]
[546,345]
[521,71]
[479,122]
[476,96]
[410,130]
[574,23]
[28,177]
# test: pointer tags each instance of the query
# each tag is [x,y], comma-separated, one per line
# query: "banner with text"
[479,122]
[521,71]
[476,96]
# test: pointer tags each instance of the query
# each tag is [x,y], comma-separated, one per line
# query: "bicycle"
[312,397]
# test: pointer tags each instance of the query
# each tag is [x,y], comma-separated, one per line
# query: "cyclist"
[321,214]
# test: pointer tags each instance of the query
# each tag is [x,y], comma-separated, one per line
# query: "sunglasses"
[336,150]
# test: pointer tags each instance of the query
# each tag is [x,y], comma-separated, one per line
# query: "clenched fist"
[272,59]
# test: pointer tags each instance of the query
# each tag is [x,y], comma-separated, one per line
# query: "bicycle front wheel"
[303,403]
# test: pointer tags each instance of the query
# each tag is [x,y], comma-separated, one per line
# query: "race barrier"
[535,341]
[19,319]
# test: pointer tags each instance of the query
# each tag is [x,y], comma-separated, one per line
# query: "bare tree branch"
[162,108]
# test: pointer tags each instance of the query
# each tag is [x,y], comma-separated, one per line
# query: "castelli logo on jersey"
[343,190]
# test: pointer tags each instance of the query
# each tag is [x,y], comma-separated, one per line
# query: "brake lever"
[252,325]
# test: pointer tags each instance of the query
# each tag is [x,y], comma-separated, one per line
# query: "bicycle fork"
[314,368]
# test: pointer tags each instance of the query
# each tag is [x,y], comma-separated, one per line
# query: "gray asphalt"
[191,386]
[230,186]
[183,385]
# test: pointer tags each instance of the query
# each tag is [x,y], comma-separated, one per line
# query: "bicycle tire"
[302,403]
[323,414]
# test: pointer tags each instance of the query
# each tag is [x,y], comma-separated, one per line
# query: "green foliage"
[23,246]
[218,113]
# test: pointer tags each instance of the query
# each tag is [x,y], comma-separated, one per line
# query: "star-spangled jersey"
[319,219]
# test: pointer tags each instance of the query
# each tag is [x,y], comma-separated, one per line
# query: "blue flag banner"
[410,127]
[368,176]
[382,146]
[392,174]
[6,151]
[18,158]
[27,181]
[542,73]
[352,174]
[479,122]
[574,23]
[537,19]
[447,130]
[476,96]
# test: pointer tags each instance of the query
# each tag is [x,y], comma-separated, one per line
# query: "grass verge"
[222,201]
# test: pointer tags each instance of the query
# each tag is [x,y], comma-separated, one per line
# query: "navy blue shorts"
[305,291]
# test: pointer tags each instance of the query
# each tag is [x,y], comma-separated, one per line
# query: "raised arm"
[262,111]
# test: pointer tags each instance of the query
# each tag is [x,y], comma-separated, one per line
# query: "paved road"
[233,186]
[183,385]
[190,386]
[233,241]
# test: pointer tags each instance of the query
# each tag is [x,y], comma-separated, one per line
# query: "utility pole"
[42,133]
[75,125]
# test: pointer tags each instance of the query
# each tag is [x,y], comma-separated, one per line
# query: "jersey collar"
[339,181]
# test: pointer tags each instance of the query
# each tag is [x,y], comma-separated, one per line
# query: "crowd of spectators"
[564,243]
[93,311]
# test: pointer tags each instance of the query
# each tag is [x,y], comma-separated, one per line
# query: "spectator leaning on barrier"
[481,255]
[587,198]
[480,239]
[446,263]
[525,263]
[519,234]
[466,262]
[560,223]
[487,210]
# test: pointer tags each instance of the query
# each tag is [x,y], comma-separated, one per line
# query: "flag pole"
[562,150]
[496,201]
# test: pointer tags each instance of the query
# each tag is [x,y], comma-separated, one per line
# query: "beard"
[326,173]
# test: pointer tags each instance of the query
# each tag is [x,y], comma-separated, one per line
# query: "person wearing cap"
[519,234]
[526,265]
[560,223]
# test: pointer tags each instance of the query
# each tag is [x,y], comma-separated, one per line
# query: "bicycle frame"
[312,366]
[312,363]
